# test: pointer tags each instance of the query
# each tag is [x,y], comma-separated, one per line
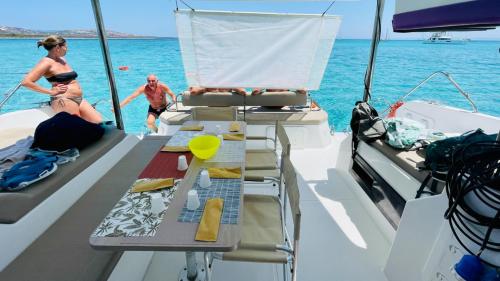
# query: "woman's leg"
[64,104]
[89,113]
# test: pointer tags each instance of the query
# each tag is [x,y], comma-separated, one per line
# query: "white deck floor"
[340,240]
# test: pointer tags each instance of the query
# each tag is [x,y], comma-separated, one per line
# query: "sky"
[155,17]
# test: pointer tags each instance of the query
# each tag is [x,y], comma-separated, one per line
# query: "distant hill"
[17,32]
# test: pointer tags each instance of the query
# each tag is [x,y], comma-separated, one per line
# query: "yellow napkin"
[234,127]
[235,137]
[148,185]
[170,148]
[225,173]
[208,229]
[191,128]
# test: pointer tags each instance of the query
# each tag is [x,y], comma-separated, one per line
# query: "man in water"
[156,93]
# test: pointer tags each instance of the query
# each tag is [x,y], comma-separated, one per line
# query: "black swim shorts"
[156,112]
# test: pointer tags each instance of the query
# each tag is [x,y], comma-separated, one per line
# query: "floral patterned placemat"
[132,215]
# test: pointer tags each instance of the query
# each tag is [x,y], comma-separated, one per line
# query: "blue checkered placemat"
[181,138]
[227,189]
[229,151]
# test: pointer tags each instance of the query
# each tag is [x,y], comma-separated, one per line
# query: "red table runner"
[164,165]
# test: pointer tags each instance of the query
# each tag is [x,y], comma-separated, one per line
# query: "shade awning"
[442,15]
[255,50]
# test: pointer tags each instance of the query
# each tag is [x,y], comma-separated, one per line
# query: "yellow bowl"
[205,146]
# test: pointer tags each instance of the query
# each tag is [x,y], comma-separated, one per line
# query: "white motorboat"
[443,38]
[360,217]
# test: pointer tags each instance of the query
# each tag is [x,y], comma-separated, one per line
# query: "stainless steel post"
[377,26]
[192,271]
[101,33]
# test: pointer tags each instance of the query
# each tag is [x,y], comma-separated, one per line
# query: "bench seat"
[63,252]
[14,205]
[258,117]
[406,160]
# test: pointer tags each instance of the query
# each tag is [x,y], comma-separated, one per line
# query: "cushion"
[278,99]
[64,131]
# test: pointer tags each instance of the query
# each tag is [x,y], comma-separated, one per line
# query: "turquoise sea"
[400,66]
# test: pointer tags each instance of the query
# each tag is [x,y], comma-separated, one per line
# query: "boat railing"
[452,81]
[9,94]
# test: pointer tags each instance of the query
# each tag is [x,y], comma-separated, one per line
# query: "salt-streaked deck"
[340,239]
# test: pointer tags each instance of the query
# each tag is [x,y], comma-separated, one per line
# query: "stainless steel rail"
[450,78]
[101,33]
[9,94]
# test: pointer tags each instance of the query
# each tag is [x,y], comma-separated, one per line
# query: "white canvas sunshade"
[255,50]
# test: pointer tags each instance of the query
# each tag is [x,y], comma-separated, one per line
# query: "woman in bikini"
[65,94]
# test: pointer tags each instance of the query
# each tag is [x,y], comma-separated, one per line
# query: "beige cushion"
[214,113]
[285,117]
[232,99]
[261,160]
[14,205]
[212,99]
[261,225]
[276,99]
[10,136]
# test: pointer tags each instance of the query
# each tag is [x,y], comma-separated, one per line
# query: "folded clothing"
[16,152]
[63,157]
[143,185]
[65,131]
[225,173]
[27,172]
[409,134]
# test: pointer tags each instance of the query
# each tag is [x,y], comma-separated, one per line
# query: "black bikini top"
[63,77]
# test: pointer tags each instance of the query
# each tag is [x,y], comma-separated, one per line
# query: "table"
[173,235]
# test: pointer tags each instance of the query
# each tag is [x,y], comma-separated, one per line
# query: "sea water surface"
[400,65]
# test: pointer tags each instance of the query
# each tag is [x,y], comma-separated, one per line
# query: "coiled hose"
[473,189]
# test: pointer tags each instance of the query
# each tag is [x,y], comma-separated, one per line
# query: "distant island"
[17,32]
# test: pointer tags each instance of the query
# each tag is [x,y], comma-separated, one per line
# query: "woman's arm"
[35,74]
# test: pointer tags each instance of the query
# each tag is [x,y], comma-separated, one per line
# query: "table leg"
[192,271]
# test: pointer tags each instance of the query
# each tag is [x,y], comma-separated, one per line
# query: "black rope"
[176,6]
[192,9]
[331,4]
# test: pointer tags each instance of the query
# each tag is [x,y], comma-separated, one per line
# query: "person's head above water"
[152,80]
[51,42]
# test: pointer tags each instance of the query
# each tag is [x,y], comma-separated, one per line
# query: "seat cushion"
[261,225]
[261,160]
[14,205]
[212,99]
[63,252]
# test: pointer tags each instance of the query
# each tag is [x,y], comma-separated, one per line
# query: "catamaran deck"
[340,239]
